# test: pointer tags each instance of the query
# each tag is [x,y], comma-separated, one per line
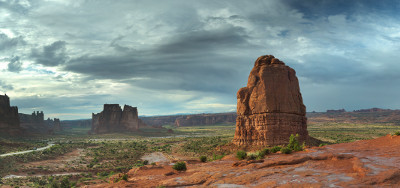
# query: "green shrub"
[203,158]
[218,157]
[180,166]
[102,174]
[322,144]
[293,143]
[145,162]
[125,177]
[252,157]
[286,150]
[275,149]
[241,154]
[263,153]
[397,133]
[65,183]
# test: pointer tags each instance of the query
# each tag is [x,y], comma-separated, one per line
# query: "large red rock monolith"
[270,108]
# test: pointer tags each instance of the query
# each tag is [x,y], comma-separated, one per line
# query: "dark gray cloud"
[7,43]
[15,64]
[5,87]
[187,56]
[189,61]
[19,7]
[51,55]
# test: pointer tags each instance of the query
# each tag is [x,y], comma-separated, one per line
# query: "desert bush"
[322,144]
[65,183]
[263,153]
[294,143]
[125,177]
[145,162]
[241,154]
[286,150]
[397,133]
[275,149]
[217,157]
[180,166]
[252,157]
[203,158]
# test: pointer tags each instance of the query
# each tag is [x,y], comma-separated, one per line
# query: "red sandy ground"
[368,163]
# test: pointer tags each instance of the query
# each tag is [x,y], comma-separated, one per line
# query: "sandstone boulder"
[270,108]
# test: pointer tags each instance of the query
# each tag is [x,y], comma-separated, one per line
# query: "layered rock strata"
[270,108]
[114,119]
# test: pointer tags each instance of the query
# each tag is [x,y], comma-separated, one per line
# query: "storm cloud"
[50,55]
[7,43]
[15,64]
[192,56]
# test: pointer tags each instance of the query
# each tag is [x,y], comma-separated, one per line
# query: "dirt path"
[27,151]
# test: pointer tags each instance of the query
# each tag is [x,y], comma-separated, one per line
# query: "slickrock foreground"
[368,163]
[270,108]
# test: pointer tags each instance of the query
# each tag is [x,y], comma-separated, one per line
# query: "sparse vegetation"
[294,143]
[103,154]
[261,154]
[241,154]
[322,144]
[275,149]
[397,133]
[252,156]
[286,150]
[179,166]
[203,158]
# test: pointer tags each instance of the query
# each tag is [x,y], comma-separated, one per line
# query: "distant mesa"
[336,111]
[373,110]
[270,108]
[204,119]
[9,120]
[191,120]
[114,119]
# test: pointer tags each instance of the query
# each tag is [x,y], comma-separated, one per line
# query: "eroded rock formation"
[9,120]
[270,108]
[114,119]
[34,123]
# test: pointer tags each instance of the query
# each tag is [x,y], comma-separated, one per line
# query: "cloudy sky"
[68,58]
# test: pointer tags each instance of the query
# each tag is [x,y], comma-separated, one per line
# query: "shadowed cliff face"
[270,108]
[114,119]
[9,120]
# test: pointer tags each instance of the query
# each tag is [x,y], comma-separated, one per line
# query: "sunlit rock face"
[270,108]
[114,119]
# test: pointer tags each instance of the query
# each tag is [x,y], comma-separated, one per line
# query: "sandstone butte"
[114,119]
[270,108]
[366,163]
[9,119]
